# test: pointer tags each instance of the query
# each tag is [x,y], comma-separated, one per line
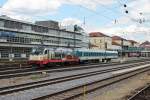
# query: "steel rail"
[133,97]
[21,66]
[21,87]
[22,73]
[91,86]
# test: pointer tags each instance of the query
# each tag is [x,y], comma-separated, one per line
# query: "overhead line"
[114,11]
[106,17]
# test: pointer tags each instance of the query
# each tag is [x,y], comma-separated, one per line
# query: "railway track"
[79,92]
[22,87]
[13,67]
[6,67]
[59,79]
[142,94]
[31,71]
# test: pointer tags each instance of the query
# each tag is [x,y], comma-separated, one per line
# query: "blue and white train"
[46,56]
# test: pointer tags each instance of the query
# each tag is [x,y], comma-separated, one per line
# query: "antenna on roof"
[84,22]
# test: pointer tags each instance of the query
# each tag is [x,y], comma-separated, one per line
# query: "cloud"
[38,8]
[70,21]
[134,8]
[134,32]
[29,9]
[91,4]
[31,6]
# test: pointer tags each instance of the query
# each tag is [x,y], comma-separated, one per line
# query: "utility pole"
[122,48]
[59,33]
[59,38]
[105,46]
[74,37]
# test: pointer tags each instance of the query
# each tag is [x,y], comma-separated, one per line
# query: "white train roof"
[92,50]
[63,50]
[79,49]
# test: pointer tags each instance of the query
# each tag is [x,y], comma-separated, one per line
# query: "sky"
[106,16]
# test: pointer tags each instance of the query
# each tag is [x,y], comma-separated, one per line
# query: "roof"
[132,41]
[3,17]
[114,43]
[117,38]
[97,34]
[145,44]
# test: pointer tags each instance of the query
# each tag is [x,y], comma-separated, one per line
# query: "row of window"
[96,54]
[14,34]
[5,52]
[40,29]
[14,50]
[15,55]
[32,40]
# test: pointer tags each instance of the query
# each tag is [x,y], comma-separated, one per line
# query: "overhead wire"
[93,11]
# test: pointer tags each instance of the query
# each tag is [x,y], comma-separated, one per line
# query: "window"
[17,55]
[94,40]
[12,24]
[1,23]
[46,52]
[100,41]
[26,27]
[4,55]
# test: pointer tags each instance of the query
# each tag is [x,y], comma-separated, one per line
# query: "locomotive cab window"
[46,52]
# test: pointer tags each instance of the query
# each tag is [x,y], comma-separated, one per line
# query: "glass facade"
[27,34]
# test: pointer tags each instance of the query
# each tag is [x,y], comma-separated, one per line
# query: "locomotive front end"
[37,56]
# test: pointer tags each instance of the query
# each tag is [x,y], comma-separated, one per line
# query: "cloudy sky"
[106,16]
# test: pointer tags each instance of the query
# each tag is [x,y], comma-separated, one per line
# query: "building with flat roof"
[48,23]
[17,38]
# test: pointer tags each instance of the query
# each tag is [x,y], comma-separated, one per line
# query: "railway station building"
[17,38]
